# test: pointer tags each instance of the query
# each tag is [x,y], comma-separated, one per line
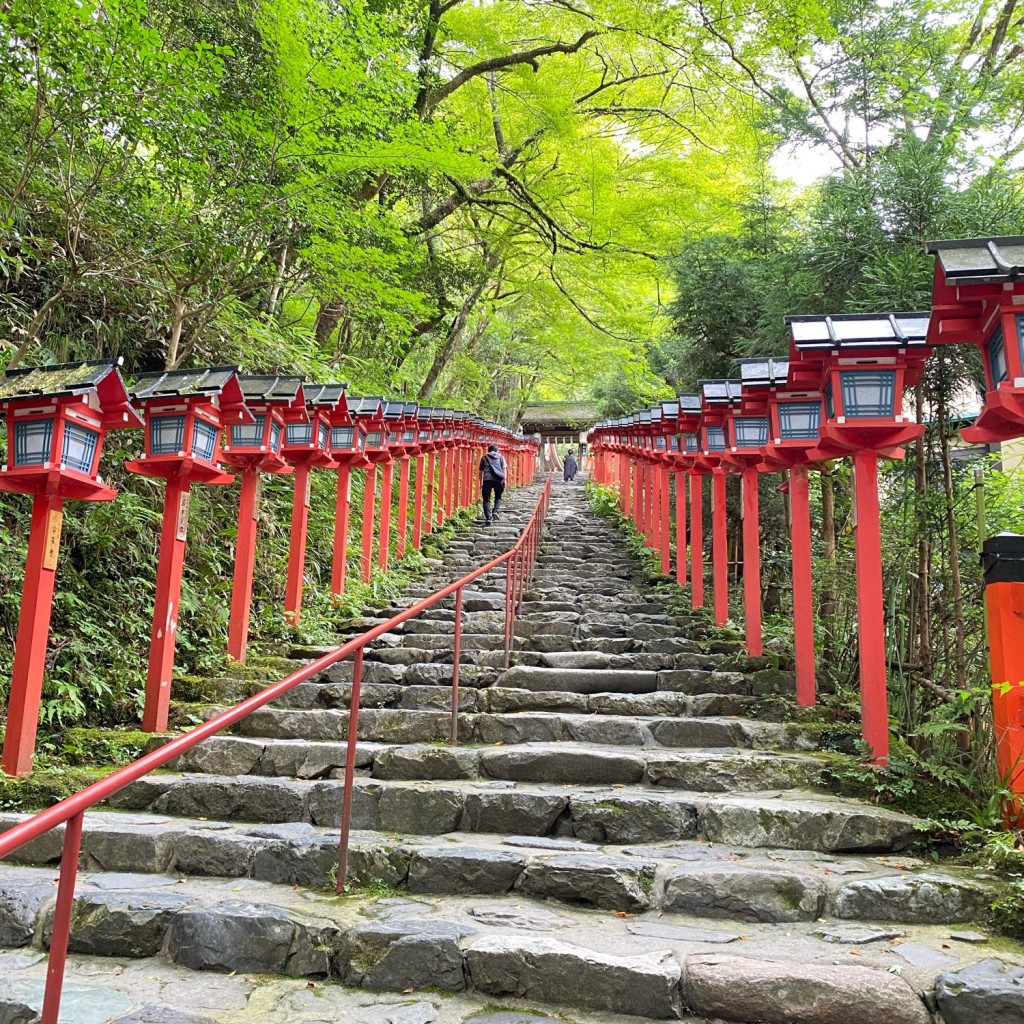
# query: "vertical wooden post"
[803,591]
[696,539]
[417,505]
[369,507]
[33,634]
[870,607]
[442,481]
[429,507]
[342,505]
[719,546]
[680,528]
[384,548]
[751,563]
[665,519]
[401,540]
[245,563]
[165,612]
[297,545]
[1003,558]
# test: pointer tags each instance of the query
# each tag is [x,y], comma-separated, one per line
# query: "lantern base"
[867,436]
[171,467]
[58,483]
[1001,419]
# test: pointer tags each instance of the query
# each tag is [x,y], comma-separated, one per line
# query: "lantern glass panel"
[360,439]
[691,442]
[868,394]
[374,439]
[409,436]
[248,435]
[299,433]
[204,440]
[714,437]
[342,437]
[275,435]
[750,431]
[1020,337]
[446,433]
[166,435]
[662,443]
[322,433]
[996,350]
[799,421]
[677,442]
[424,435]
[79,449]
[32,441]
[830,403]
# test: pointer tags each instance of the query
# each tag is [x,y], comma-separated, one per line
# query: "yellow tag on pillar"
[54,522]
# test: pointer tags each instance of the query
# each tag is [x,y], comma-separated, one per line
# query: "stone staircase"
[611,837]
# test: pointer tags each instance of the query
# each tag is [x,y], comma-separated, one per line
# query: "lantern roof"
[656,414]
[365,406]
[268,388]
[860,330]
[689,404]
[670,410]
[980,260]
[763,372]
[393,410]
[460,414]
[412,408]
[720,391]
[211,382]
[328,395]
[56,381]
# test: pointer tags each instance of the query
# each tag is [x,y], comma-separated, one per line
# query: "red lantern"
[255,448]
[185,411]
[57,419]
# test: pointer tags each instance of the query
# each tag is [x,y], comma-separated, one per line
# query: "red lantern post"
[57,420]
[369,413]
[410,449]
[347,451]
[255,448]
[717,396]
[185,411]
[307,444]
[865,363]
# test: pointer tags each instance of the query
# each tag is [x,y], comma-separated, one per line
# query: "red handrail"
[519,560]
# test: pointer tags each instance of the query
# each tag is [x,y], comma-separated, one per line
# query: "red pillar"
[628,475]
[665,520]
[384,549]
[1004,605]
[33,634]
[442,480]
[680,528]
[719,547]
[342,504]
[245,564]
[696,539]
[429,506]
[874,698]
[751,563]
[165,612]
[297,546]
[403,507]
[369,506]
[417,504]
[803,592]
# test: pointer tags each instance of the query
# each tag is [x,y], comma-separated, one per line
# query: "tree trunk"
[828,533]
[959,627]
[447,350]
[327,320]
[174,341]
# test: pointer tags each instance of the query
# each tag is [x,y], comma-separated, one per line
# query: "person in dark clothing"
[492,481]
[569,467]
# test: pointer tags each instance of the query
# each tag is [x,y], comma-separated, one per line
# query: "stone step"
[579,680]
[397,725]
[691,878]
[585,960]
[619,815]
[566,763]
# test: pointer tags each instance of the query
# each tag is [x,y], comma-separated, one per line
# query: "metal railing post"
[508,607]
[62,912]
[350,770]
[454,733]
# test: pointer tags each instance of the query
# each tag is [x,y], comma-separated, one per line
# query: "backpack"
[493,467]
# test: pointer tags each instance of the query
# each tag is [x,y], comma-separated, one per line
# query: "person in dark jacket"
[570,468]
[492,481]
